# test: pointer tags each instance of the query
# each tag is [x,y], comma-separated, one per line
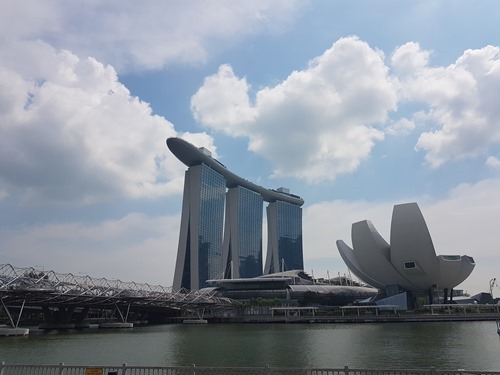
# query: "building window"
[410,265]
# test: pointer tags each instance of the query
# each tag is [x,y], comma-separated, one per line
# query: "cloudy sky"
[355,106]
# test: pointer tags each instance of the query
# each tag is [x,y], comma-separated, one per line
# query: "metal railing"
[62,369]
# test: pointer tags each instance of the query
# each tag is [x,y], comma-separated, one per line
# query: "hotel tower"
[221,223]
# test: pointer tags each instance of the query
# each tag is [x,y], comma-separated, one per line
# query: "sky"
[354,106]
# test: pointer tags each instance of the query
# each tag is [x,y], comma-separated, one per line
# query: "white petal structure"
[409,261]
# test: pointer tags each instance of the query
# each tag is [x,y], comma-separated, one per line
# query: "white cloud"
[333,112]
[143,35]
[461,99]
[230,109]
[493,162]
[200,140]
[318,123]
[401,126]
[134,248]
[70,131]
[409,60]
[326,222]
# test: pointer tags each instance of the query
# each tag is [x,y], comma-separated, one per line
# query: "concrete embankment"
[360,319]
[16,331]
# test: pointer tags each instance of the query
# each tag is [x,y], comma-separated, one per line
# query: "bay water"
[447,345]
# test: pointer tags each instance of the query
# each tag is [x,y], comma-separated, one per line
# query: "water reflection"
[470,345]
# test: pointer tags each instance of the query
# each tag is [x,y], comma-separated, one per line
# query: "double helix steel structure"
[21,287]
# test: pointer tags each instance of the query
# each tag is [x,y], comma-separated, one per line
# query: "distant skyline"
[355,107]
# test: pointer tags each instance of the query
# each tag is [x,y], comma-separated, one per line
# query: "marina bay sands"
[221,223]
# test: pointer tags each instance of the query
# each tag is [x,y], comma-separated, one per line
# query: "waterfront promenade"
[361,314]
[402,318]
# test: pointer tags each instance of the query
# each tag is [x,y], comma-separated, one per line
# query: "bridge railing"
[62,369]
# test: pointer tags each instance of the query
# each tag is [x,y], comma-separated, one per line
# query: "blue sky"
[355,106]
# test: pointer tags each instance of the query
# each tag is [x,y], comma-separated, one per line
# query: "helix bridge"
[32,288]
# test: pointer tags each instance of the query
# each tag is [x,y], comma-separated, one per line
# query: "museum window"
[410,265]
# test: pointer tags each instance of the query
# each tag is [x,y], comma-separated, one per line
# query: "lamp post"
[492,283]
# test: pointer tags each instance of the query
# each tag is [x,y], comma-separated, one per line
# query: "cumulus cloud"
[318,123]
[230,109]
[335,110]
[401,126]
[200,140]
[409,60]
[461,99]
[145,35]
[70,131]
[493,162]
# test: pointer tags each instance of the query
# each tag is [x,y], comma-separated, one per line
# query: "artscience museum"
[407,266]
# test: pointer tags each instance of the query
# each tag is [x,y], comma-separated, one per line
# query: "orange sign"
[94,371]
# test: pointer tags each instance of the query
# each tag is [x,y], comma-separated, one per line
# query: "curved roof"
[374,254]
[412,242]
[409,260]
[335,289]
[190,155]
[351,261]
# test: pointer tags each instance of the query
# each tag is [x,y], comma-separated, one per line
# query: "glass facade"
[210,225]
[285,245]
[290,235]
[199,255]
[250,206]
